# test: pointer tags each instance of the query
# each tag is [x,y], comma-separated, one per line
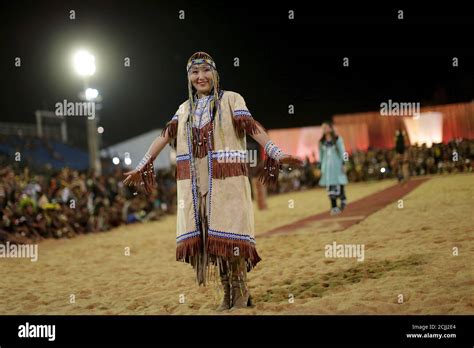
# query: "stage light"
[128,161]
[115,160]
[84,63]
[91,94]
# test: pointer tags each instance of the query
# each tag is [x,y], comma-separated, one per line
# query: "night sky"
[282,61]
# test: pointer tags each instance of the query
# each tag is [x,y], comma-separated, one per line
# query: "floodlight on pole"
[84,64]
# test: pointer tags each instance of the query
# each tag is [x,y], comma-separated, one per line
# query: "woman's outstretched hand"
[291,160]
[133,178]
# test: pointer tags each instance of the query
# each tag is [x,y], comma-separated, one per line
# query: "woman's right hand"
[344,168]
[133,178]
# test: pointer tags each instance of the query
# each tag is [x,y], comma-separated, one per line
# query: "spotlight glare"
[91,94]
[84,63]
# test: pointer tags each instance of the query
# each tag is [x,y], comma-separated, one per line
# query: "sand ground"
[408,252]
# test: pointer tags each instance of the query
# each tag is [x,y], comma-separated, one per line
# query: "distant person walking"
[333,176]
[401,163]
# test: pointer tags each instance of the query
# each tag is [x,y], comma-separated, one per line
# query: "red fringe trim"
[268,175]
[183,170]
[172,128]
[222,170]
[226,248]
[148,175]
[218,247]
[188,247]
[200,151]
[246,124]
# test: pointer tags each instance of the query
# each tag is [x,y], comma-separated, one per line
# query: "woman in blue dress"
[331,156]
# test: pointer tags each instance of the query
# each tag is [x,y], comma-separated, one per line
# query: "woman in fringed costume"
[215,221]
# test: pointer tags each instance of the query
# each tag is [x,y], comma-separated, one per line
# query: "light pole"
[92,95]
[84,64]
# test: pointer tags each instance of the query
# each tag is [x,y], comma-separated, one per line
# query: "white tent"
[136,147]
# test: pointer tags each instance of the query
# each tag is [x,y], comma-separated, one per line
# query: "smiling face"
[201,78]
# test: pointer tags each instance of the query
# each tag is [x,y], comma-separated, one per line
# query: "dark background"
[282,62]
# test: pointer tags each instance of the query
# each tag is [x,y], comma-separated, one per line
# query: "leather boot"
[240,294]
[226,304]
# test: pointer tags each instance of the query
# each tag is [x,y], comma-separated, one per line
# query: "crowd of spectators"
[67,203]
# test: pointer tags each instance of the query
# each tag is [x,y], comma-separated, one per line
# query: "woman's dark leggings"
[335,192]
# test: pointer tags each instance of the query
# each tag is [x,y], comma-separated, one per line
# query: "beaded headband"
[200,61]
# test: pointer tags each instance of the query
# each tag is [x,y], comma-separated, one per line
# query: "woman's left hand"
[291,160]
